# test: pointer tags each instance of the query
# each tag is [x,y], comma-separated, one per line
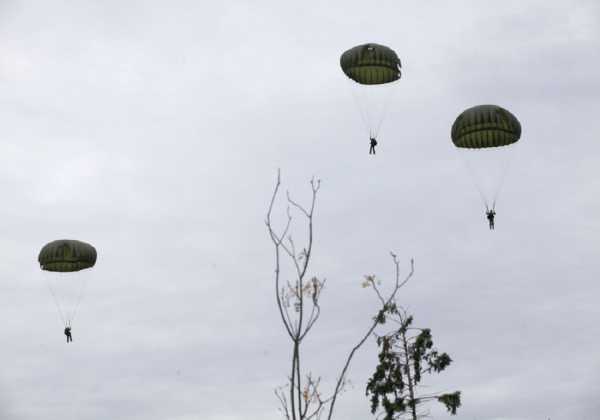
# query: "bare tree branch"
[305,402]
[372,328]
[277,242]
[281,396]
[294,328]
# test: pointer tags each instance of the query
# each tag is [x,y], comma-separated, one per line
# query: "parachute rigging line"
[79,298]
[366,99]
[504,173]
[60,312]
[474,177]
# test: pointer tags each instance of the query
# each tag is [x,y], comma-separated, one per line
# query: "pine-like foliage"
[406,354]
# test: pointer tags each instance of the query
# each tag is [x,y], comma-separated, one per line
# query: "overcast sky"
[154,130]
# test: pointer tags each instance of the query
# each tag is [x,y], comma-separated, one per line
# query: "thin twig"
[372,328]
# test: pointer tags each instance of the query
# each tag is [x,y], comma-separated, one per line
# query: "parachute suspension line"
[60,312]
[473,176]
[386,105]
[68,316]
[366,98]
[82,290]
[504,173]
[361,109]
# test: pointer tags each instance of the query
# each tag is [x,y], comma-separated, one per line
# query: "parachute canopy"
[485,126]
[371,64]
[67,255]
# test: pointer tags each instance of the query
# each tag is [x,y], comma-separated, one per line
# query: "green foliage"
[451,401]
[389,308]
[403,359]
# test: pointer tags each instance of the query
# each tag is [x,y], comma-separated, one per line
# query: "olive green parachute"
[371,64]
[485,137]
[67,255]
[64,263]
[485,126]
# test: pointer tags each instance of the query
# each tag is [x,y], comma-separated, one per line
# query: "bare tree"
[304,400]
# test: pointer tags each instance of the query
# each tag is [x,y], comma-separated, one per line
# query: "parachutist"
[373,67]
[61,257]
[481,132]
[490,216]
[373,144]
[68,333]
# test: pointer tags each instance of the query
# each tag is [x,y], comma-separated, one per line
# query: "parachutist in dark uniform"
[68,333]
[373,144]
[490,216]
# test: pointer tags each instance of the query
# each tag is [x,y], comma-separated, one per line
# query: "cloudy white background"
[154,131]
